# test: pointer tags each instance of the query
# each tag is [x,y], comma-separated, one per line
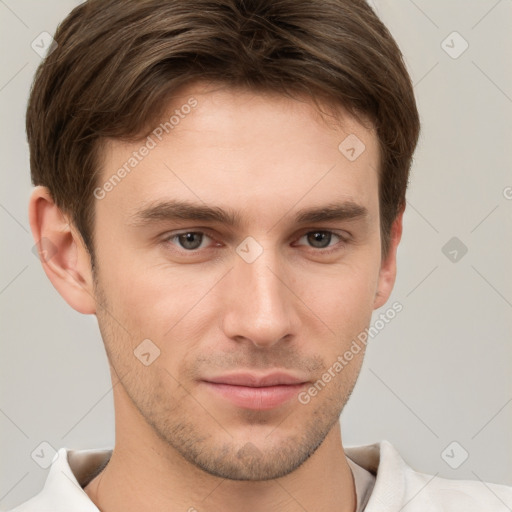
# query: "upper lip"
[255,380]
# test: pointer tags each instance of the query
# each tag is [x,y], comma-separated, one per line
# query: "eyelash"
[343,240]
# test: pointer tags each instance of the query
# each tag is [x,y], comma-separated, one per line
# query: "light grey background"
[439,372]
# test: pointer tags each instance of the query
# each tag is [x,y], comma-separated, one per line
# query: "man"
[222,183]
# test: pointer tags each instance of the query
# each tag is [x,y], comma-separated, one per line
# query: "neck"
[145,473]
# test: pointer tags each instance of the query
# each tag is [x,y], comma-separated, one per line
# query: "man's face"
[270,294]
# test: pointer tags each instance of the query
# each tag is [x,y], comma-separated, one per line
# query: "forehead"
[258,152]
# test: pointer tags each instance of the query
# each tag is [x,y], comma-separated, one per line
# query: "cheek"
[341,296]
[161,302]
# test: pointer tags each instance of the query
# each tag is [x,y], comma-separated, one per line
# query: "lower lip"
[263,398]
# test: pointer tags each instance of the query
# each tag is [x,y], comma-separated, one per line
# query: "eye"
[192,241]
[321,239]
[188,240]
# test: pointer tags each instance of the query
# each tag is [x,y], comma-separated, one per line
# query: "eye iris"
[187,240]
[321,237]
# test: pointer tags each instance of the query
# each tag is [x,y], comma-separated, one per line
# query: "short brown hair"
[119,61]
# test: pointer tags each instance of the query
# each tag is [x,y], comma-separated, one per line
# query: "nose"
[258,302]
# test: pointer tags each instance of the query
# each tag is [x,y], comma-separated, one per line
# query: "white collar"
[71,470]
[396,484]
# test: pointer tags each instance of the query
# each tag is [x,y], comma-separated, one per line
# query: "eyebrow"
[175,210]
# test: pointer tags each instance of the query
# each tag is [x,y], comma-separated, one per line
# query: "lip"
[255,380]
[256,391]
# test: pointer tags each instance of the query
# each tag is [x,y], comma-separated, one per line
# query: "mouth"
[256,391]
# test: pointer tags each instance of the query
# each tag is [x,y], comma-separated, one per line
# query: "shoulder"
[427,492]
[431,492]
[399,487]
[63,489]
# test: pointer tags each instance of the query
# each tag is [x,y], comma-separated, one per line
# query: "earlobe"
[62,252]
[387,273]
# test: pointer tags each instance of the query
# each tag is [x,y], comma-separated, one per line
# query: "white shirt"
[383,481]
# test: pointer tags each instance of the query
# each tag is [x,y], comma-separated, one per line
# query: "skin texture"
[180,445]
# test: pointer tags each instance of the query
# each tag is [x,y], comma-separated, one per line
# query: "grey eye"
[319,239]
[190,240]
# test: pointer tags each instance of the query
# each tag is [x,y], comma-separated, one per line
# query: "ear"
[387,273]
[62,252]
